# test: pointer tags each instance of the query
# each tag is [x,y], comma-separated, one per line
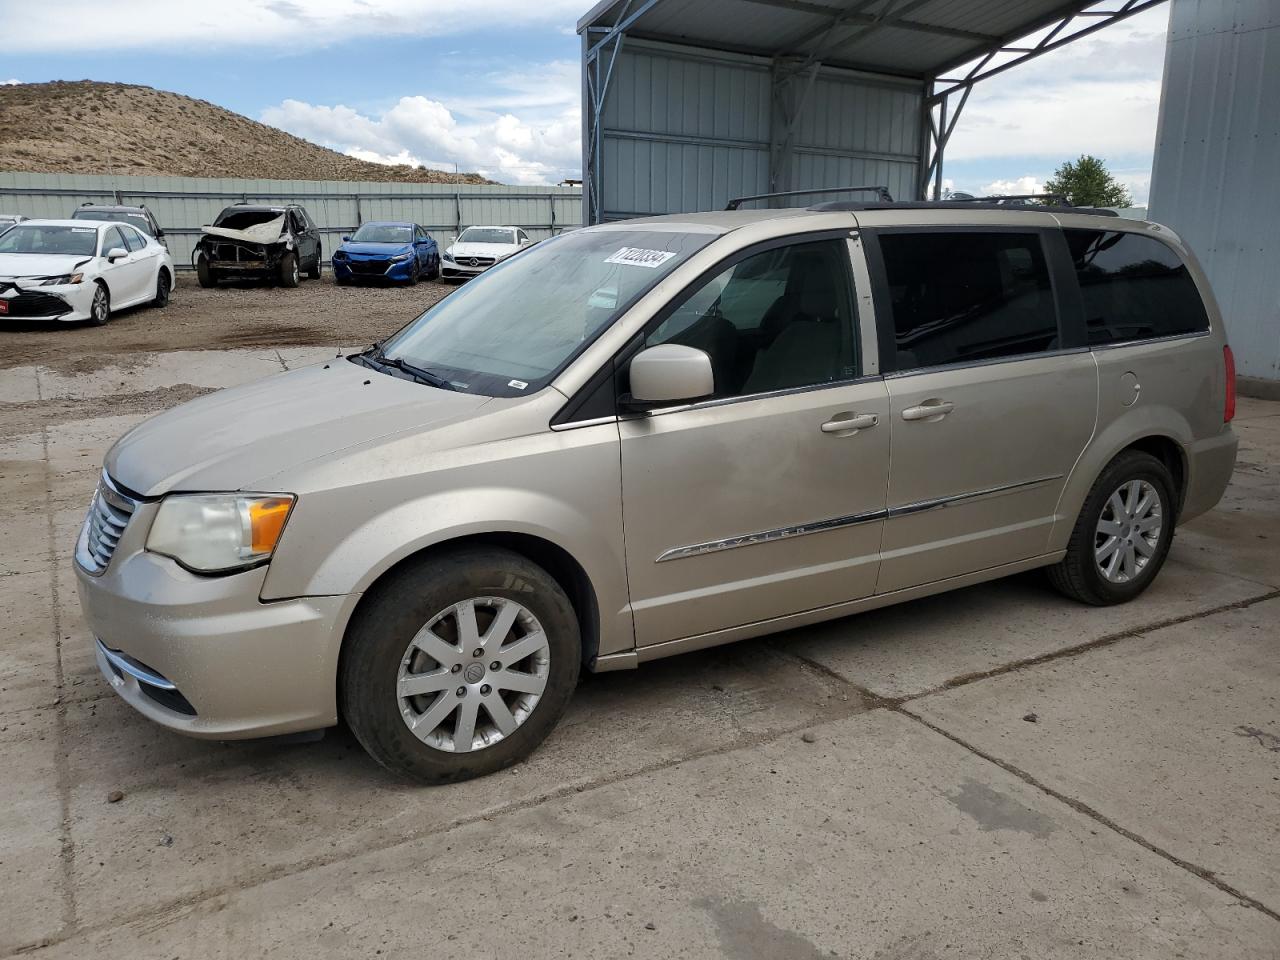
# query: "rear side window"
[1134,287]
[964,296]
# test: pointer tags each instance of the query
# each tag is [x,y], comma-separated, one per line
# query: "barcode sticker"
[636,257]
[517,384]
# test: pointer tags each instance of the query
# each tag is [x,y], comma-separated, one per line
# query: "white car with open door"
[69,270]
[477,249]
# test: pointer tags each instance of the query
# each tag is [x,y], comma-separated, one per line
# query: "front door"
[768,499]
[990,410]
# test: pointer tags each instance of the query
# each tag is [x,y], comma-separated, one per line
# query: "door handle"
[850,423]
[930,411]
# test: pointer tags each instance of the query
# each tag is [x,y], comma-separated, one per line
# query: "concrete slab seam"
[63,759]
[842,710]
[1083,648]
[1080,807]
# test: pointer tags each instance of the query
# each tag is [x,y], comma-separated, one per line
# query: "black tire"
[290,276]
[205,274]
[394,612]
[1077,575]
[164,286]
[313,271]
[437,272]
[100,309]
[341,281]
[415,273]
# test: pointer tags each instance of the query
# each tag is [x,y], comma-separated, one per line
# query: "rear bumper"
[1210,464]
[239,668]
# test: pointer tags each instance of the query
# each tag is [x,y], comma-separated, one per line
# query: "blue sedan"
[385,250]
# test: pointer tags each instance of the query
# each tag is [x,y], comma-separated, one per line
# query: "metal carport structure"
[690,102]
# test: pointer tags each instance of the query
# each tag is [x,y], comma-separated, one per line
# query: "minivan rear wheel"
[459,664]
[1123,534]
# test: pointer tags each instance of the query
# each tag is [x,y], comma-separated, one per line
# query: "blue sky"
[494,86]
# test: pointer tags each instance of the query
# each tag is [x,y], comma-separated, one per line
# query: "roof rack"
[1060,199]
[881,191]
[844,206]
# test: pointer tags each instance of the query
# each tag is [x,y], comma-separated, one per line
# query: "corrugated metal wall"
[1217,163]
[184,204]
[687,129]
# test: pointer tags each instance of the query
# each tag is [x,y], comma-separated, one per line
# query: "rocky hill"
[75,126]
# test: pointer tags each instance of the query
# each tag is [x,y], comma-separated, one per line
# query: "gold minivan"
[649,437]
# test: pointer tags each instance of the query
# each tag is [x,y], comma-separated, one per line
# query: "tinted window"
[133,240]
[1134,287]
[964,296]
[779,319]
[112,239]
[36,238]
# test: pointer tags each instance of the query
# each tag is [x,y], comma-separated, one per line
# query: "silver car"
[650,437]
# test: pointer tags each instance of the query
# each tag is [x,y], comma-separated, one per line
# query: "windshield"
[487,235]
[510,330]
[234,219]
[75,241]
[119,216]
[383,233]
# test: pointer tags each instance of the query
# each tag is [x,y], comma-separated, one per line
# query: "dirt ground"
[318,313]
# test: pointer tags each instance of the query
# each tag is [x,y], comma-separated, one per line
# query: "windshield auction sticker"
[636,257]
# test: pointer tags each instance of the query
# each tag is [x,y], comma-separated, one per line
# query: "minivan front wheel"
[1123,534]
[459,664]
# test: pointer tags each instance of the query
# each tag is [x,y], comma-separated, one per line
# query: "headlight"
[400,257]
[447,255]
[64,279]
[216,533]
[340,255]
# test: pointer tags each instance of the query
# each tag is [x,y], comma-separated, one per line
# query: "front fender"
[340,540]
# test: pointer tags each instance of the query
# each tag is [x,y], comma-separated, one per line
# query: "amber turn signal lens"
[266,520]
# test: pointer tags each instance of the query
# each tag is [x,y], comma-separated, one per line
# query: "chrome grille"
[108,516]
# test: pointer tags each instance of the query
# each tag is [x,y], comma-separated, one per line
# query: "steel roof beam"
[823,10]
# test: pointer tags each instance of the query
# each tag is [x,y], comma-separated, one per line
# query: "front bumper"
[372,269]
[454,268]
[239,668]
[66,303]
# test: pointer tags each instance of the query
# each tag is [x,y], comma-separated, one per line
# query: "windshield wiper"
[417,373]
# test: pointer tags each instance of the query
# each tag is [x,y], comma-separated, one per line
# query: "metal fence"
[184,204]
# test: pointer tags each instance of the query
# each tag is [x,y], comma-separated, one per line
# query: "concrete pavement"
[676,811]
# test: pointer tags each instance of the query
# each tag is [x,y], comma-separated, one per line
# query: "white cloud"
[527,130]
[9,83]
[268,24]
[1099,95]
[1022,185]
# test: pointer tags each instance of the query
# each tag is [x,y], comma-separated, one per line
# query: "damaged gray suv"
[650,437]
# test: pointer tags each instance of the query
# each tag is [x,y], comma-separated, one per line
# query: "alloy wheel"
[101,308]
[473,674]
[1128,531]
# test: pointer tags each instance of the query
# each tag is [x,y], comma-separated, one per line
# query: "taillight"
[1229,408]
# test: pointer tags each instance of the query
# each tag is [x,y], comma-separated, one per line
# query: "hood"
[230,439]
[40,264]
[483,249]
[269,231]
[365,248]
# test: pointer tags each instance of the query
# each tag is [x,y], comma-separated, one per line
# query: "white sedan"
[479,248]
[80,270]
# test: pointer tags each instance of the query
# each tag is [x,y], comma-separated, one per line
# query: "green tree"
[1087,183]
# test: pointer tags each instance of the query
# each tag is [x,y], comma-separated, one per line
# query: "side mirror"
[116,253]
[159,234]
[453,239]
[346,239]
[671,373]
